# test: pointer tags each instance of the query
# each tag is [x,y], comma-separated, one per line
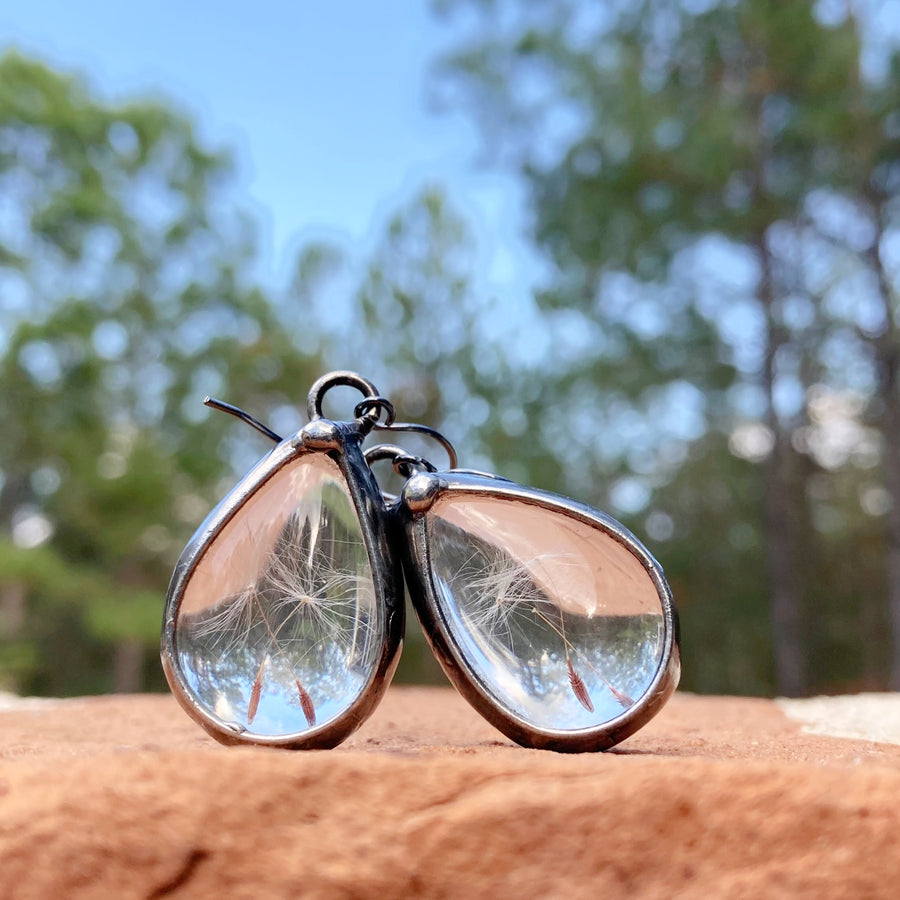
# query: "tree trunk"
[12,609]
[780,514]
[787,620]
[129,665]
[887,358]
[12,620]
[890,433]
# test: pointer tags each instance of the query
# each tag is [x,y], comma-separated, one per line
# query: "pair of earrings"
[285,615]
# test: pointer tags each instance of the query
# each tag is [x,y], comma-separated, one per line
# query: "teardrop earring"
[548,616]
[284,616]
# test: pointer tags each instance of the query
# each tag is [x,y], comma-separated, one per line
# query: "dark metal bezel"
[419,495]
[342,442]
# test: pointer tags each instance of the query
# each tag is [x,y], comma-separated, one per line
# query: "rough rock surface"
[717,797]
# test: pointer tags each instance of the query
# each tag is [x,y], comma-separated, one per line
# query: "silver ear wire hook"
[366,412]
[378,403]
[404,463]
[415,428]
[238,413]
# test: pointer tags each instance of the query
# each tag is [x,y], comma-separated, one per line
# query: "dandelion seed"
[499,591]
[313,592]
[502,598]
[502,595]
[228,626]
[283,606]
[575,680]
[622,697]
[256,693]
[579,688]
[306,704]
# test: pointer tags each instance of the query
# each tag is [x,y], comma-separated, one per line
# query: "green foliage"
[715,194]
[711,353]
[127,299]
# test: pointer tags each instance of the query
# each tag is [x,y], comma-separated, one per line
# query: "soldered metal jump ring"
[374,405]
[336,379]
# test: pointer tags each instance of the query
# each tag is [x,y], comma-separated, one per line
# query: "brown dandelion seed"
[621,696]
[306,704]
[579,689]
[255,694]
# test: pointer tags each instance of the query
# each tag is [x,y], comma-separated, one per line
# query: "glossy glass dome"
[278,629]
[558,621]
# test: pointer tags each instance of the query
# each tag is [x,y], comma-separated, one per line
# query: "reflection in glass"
[278,629]
[560,622]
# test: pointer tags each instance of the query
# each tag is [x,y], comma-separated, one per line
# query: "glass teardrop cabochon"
[552,620]
[275,630]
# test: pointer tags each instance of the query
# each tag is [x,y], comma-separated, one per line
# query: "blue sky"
[325,104]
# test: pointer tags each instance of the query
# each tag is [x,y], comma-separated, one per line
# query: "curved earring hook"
[414,428]
[238,413]
[404,463]
[367,411]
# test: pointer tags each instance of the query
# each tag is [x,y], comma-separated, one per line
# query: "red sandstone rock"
[718,797]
